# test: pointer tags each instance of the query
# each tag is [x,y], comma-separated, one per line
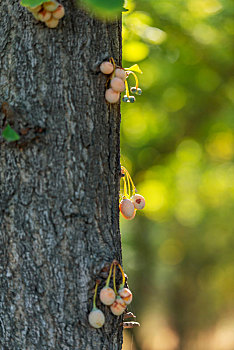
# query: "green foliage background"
[178,144]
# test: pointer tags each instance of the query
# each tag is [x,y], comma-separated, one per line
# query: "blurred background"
[177,143]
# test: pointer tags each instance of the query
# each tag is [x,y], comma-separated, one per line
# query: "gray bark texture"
[59,185]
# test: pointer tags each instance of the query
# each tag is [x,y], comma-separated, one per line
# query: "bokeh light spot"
[156,198]
[171,252]
[189,151]
[203,8]
[189,211]
[205,34]
[221,145]
[134,51]
[174,98]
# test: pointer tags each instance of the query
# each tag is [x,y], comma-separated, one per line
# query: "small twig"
[131,324]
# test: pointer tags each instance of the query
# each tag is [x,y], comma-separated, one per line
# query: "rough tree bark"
[59,185]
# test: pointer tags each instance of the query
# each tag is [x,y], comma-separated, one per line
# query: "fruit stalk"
[123,277]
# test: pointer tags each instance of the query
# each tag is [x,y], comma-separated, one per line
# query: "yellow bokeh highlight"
[151,74]
[140,24]
[134,51]
[135,127]
[205,34]
[204,8]
[221,146]
[154,35]
[139,125]
[174,98]
[189,151]
[156,197]
[217,185]
[188,178]
[138,18]
[188,210]
[171,252]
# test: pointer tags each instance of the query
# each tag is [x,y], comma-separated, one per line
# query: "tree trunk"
[59,184]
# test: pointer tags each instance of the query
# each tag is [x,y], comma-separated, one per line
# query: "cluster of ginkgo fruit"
[117,81]
[130,201]
[116,299]
[49,12]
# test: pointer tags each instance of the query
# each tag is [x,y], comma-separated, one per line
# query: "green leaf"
[9,134]
[105,8]
[135,68]
[32,3]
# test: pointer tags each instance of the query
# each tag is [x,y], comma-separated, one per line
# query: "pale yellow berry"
[44,15]
[51,6]
[52,23]
[118,307]
[117,84]
[106,67]
[126,295]
[96,318]
[120,73]
[59,12]
[112,96]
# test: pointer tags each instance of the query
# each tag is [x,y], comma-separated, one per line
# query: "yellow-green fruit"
[52,23]
[44,15]
[51,6]
[59,12]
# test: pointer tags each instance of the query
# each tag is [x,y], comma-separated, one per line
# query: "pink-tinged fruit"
[118,307]
[44,15]
[112,96]
[138,201]
[127,209]
[59,12]
[106,67]
[126,295]
[120,73]
[107,296]
[96,318]
[117,84]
